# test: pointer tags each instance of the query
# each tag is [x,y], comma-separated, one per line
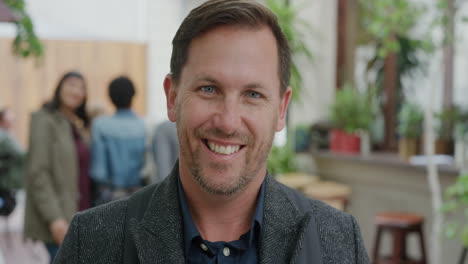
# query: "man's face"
[227,106]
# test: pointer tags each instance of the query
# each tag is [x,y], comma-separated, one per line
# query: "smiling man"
[228,94]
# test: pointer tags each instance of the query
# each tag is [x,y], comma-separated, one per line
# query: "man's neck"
[217,217]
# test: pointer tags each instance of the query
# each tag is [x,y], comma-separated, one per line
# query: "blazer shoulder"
[45,117]
[112,215]
[42,115]
[337,231]
[104,215]
[95,235]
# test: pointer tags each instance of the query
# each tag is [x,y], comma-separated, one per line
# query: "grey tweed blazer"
[296,229]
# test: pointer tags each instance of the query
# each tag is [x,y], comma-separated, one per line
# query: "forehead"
[73,79]
[72,83]
[234,52]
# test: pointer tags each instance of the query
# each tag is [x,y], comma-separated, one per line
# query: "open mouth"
[222,149]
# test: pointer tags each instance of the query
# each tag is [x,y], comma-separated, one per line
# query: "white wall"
[461,60]
[87,19]
[164,18]
[318,89]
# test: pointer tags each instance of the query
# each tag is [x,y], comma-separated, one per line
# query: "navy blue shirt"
[198,250]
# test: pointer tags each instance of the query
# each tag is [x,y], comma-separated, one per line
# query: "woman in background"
[57,182]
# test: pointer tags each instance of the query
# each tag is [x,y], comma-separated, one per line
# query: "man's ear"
[171,95]
[284,102]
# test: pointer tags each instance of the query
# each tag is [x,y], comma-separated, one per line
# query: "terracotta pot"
[342,142]
[407,147]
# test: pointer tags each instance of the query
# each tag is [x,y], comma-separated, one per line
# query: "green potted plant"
[351,113]
[446,118]
[410,127]
[387,27]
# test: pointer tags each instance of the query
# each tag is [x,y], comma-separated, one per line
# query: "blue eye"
[208,89]
[253,94]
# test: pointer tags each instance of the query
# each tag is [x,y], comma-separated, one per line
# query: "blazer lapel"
[159,235]
[284,229]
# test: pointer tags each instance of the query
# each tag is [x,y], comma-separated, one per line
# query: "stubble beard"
[252,163]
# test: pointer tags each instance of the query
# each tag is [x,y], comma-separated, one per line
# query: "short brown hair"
[229,12]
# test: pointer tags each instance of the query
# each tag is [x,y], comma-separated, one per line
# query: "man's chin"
[224,184]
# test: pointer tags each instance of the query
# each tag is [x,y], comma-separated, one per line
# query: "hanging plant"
[26,42]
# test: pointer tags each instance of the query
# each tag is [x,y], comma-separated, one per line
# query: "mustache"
[218,133]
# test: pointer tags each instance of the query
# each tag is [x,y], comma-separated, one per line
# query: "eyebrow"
[209,79]
[206,79]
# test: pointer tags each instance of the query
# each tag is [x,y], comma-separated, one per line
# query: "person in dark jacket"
[228,92]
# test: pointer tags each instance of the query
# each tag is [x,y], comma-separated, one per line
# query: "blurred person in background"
[12,158]
[118,146]
[165,147]
[57,181]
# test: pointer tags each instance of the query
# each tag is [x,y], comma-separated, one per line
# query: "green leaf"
[26,42]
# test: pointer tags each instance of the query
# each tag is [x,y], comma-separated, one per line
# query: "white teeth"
[226,150]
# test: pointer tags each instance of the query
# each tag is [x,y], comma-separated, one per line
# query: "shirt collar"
[191,232]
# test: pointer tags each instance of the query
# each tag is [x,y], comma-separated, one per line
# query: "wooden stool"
[401,225]
[334,194]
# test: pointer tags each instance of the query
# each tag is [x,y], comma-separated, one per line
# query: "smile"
[222,149]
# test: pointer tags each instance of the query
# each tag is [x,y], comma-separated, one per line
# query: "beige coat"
[52,190]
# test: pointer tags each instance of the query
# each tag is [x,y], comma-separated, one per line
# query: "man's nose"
[228,118]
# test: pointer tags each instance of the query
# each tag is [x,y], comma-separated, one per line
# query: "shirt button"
[203,247]
[226,252]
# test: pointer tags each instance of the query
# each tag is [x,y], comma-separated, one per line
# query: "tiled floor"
[13,248]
